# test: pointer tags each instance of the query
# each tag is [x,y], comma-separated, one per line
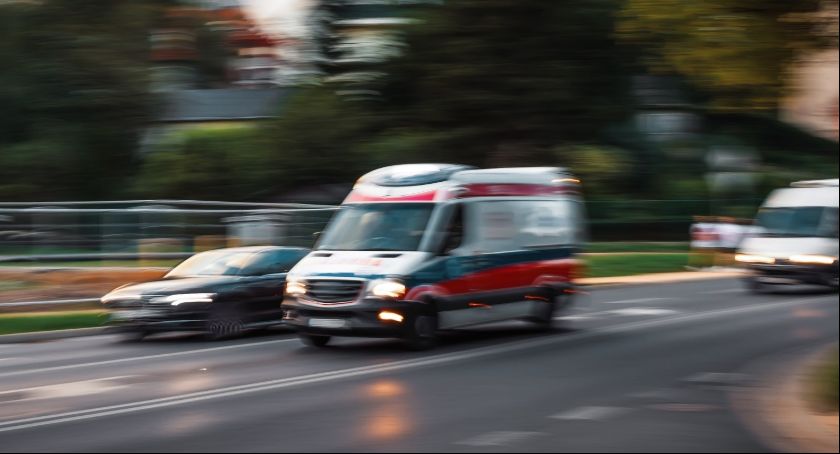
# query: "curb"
[777,413]
[40,336]
[607,282]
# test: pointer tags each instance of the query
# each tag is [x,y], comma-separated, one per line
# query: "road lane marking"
[724,291]
[717,379]
[499,438]
[70,389]
[590,413]
[141,358]
[637,311]
[445,358]
[637,300]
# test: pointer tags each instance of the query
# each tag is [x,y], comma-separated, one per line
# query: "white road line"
[716,378]
[499,438]
[637,300]
[724,291]
[590,413]
[445,358]
[70,389]
[640,311]
[140,358]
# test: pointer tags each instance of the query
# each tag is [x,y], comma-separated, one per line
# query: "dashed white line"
[724,291]
[71,389]
[141,358]
[640,311]
[590,413]
[499,438]
[637,300]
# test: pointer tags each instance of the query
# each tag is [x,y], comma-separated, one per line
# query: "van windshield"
[377,227]
[797,221]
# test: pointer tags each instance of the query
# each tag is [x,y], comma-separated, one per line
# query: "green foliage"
[73,96]
[738,51]
[228,162]
[604,171]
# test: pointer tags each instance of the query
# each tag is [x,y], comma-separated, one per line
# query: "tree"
[74,96]
[737,51]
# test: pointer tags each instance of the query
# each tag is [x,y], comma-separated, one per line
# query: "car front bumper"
[794,273]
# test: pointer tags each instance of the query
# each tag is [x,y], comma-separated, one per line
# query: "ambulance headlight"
[387,288]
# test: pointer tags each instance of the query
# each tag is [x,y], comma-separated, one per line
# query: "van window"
[454,232]
[377,227]
[793,221]
[500,226]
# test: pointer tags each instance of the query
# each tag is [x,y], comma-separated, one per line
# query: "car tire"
[421,333]
[758,288]
[314,340]
[224,323]
[135,335]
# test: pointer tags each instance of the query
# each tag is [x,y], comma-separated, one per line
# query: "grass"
[6,286]
[637,246]
[96,263]
[825,384]
[629,264]
[50,321]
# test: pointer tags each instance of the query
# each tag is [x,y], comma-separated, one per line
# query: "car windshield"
[797,221]
[212,263]
[377,227]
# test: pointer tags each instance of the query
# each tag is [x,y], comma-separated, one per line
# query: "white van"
[796,239]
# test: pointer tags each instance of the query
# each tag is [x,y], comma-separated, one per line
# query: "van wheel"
[313,340]
[756,287]
[544,316]
[422,334]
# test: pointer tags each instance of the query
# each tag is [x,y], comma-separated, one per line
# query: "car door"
[266,277]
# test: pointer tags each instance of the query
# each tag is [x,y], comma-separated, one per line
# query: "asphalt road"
[639,369]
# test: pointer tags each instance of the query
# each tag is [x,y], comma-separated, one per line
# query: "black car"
[221,293]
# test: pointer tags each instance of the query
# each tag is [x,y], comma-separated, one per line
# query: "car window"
[272,262]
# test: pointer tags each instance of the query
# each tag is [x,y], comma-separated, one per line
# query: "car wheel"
[757,287]
[135,335]
[422,333]
[314,340]
[224,324]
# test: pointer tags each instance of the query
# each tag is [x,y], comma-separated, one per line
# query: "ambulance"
[419,248]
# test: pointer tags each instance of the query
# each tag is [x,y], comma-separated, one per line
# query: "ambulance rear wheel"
[312,340]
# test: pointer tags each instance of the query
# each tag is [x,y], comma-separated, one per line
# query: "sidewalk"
[661,278]
[778,411]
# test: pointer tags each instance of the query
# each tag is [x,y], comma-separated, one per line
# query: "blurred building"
[353,36]
[248,89]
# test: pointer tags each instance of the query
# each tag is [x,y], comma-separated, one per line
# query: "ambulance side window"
[454,233]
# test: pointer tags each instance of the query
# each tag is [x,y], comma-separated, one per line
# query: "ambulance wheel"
[548,309]
[421,333]
[313,340]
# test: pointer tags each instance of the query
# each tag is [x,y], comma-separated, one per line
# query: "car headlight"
[750,258]
[813,259]
[189,298]
[118,297]
[387,288]
[295,287]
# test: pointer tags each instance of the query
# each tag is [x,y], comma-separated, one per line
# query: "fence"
[176,228]
[150,228]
